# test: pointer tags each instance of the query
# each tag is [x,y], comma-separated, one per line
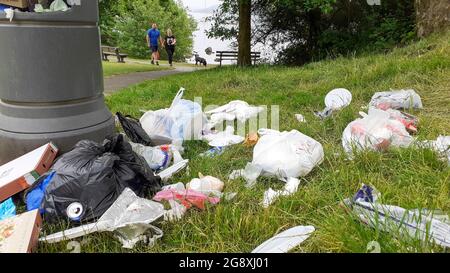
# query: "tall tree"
[245,33]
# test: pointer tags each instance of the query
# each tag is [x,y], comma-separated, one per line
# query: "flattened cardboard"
[15,3]
[21,173]
[20,234]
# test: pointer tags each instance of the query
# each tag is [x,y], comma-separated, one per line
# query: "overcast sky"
[199,9]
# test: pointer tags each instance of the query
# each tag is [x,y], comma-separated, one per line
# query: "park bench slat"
[233,55]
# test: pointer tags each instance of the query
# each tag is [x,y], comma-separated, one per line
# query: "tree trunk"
[431,16]
[244,55]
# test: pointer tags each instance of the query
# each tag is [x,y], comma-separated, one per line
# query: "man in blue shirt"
[153,35]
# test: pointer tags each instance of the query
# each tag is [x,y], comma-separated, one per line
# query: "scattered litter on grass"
[409,223]
[129,217]
[91,177]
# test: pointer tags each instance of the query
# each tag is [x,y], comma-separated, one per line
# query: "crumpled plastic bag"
[236,109]
[184,120]
[187,198]
[7,209]
[375,131]
[335,100]
[402,99]
[223,139]
[285,154]
[159,157]
[133,130]
[208,185]
[408,223]
[90,178]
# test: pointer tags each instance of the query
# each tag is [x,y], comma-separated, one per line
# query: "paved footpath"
[116,83]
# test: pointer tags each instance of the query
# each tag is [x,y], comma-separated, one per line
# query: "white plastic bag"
[335,100]
[402,99]
[286,154]
[283,155]
[375,131]
[184,120]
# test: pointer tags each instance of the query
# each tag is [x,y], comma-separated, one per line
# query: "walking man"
[153,36]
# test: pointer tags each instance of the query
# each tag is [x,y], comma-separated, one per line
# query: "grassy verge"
[114,68]
[411,178]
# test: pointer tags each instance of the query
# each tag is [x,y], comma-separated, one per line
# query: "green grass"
[411,178]
[114,68]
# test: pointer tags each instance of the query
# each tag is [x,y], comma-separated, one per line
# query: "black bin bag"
[91,177]
[134,130]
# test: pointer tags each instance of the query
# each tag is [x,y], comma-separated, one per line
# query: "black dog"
[200,60]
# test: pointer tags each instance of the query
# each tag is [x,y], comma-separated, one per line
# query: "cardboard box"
[15,3]
[22,172]
[20,234]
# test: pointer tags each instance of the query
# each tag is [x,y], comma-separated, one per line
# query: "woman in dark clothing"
[170,43]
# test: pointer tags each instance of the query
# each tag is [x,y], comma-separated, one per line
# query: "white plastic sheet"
[286,240]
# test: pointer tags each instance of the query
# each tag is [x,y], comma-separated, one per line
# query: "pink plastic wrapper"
[188,198]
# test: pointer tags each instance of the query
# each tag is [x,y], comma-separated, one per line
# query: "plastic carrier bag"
[402,99]
[183,120]
[375,131]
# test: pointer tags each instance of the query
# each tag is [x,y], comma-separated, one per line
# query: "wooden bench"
[113,51]
[233,56]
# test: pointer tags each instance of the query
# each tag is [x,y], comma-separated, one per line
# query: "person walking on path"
[153,36]
[170,43]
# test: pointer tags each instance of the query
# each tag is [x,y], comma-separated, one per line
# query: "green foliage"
[307,30]
[125,23]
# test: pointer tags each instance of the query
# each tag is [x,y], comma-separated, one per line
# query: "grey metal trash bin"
[51,80]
